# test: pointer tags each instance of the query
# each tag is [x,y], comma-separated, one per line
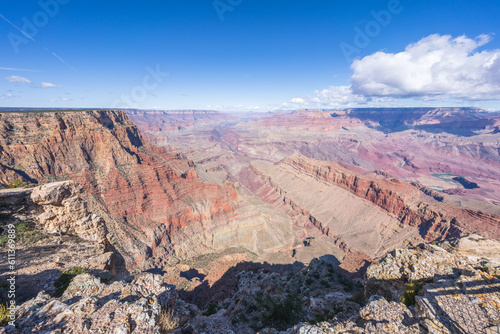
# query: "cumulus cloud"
[436,65]
[50,85]
[298,100]
[436,68]
[334,96]
[338,95]
[17,79]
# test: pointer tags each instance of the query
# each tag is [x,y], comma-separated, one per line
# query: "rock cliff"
[54,232]
[153,203]
[403,201]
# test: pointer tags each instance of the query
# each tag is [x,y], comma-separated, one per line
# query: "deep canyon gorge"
[192,195]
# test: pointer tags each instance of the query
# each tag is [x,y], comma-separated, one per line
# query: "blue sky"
[250,54]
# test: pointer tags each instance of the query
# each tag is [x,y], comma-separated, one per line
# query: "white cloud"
[334,96]
[298,100]
[437,68]
[338,95]
[17,79]
[17,69]
[50,85]
[436,65]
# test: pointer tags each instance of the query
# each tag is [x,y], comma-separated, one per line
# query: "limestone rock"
[91,306]
[478,247]
[53,193]
[467,305]
[65,212]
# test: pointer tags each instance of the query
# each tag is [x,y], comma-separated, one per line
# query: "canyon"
[152,201]
[385,177]
[198,197]
[353,184]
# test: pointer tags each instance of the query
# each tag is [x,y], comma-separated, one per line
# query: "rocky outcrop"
[453,293]
[459,284]
[444,289]
[66,212]
[379,316]
[88,305]
[440,290]
[54,232]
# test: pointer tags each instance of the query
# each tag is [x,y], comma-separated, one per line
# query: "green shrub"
[4,240]
[411,290]
[17,183]
[4,315]
[280,314]
[212,309]
[21,227]
[65,279]
[27,233]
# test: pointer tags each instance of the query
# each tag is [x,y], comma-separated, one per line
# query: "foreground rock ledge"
[460,293]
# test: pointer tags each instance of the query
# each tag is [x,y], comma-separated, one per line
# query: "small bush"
[27,233]
[411,290]
[325,283]
[358,298]
[212,309]
[4,240]
[21,227]
[4,315]
[281,313]
[65,279]
[168,322]
[17,183]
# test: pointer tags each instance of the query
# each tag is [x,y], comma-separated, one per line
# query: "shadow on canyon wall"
[390,121]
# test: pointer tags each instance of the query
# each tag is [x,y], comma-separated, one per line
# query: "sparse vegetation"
[27,233]
[322,317]
[411,290]
[168,322]
[359,298]
[65,279]
[4,312]
[279,313]
[17,183]
[3,241]
[212,309]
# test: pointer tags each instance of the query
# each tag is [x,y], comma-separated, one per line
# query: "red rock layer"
[145,194]
[436,222]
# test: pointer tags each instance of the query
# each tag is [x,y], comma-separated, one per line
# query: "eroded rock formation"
[153,202]
[425,289]
[66,212]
